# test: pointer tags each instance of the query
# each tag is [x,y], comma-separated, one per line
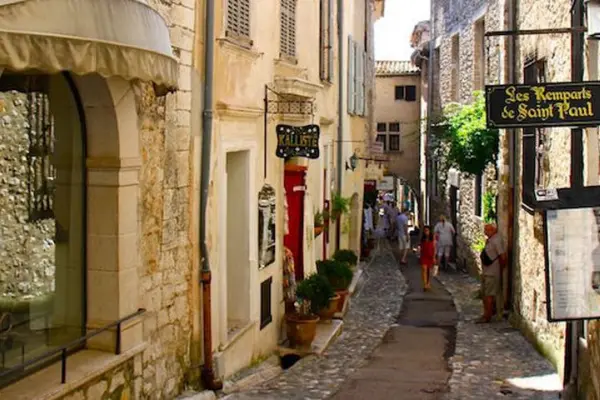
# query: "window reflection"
[41,223]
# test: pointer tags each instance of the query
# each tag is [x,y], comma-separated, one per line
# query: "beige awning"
[125,38]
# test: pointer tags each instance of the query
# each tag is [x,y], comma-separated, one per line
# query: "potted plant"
[318,224]
[312,294]
[339,206]
[348,256]
[339,274]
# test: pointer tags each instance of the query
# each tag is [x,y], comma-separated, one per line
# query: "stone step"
[192,395]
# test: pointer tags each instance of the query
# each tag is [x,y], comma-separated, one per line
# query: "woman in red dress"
[427,258]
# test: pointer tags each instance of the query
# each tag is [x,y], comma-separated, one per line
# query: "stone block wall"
[456,77]
[166,280]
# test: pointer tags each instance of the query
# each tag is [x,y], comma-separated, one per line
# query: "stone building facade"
[463,61]
[397,117]
[114,235]
[550,57]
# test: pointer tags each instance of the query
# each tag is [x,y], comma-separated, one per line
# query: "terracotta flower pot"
[343,294]
[327,313]
[318,230]
[301,329]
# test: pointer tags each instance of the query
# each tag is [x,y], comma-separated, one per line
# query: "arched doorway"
[43,242]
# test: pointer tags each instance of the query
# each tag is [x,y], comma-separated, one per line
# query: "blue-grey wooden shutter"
[351,74]
[359,79]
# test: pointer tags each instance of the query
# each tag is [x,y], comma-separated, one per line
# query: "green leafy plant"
[489,207]
[478,245]
[469,144]
[347,256]
[338,273]
[318,219]
[339,205]
[314,293]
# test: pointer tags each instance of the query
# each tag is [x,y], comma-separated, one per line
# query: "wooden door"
[294,183]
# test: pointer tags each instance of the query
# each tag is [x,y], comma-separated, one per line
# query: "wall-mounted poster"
[266,226]
[573,263]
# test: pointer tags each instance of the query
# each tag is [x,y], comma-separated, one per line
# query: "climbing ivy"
[489,207]
[464,137]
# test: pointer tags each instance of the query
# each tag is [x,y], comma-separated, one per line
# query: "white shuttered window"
[287,40]
[351,75]
[238,19]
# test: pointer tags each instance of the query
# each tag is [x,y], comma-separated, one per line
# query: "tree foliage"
[469,145]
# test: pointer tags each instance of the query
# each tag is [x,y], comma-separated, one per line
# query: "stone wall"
[27,263]
[455,80]
[165,191]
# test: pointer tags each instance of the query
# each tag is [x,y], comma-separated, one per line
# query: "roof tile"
[390,68]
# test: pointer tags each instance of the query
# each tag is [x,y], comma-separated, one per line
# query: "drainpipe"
[209,379]
[513,142]
[340,132]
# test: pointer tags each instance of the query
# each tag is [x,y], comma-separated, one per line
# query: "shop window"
[533,142]
[381,127]
[42,182]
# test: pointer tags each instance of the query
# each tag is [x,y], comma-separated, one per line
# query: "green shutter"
[351,76]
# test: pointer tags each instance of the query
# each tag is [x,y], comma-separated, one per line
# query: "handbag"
[485,259]
[435,270]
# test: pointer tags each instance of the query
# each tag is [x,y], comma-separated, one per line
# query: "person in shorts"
[403,238]
[493,259]
[444,235]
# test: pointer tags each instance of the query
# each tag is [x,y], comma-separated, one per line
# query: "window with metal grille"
[399,93]
[41,171]
[287,39]
[381,139]
[394,142]
[411,93]
[326,40]
[265,303]
[238,19]
[394,127]
[381,127]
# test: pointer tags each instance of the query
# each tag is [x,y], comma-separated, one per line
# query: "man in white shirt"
[444,235]
[403,239]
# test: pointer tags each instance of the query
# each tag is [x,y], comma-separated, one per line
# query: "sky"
[392,32]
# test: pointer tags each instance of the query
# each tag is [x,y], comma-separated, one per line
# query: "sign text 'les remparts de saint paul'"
[543,105]
[297,141]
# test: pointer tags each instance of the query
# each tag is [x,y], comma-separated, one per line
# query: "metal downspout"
[209,379]
[340,132]
[514,150]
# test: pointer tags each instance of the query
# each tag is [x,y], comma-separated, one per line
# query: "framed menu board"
[572,249]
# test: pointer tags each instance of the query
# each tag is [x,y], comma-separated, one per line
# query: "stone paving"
[374,309]
[493,360]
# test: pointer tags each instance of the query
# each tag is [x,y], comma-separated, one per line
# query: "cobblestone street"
[374,309]
[397,340]
[493,360]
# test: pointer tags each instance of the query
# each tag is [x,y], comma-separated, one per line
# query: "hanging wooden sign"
[543,105]
[297,141]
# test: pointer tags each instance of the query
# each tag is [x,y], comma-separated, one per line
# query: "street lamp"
[353,162]
[593,18]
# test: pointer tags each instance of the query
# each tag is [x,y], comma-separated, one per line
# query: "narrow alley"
[402,343]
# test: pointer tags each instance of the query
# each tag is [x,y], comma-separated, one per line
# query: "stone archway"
[355,223]
[112,179]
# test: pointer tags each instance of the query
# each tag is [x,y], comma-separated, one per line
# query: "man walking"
[402,231]
[493,259]
[444,235]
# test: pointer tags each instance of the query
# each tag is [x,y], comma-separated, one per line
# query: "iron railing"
[63,351]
